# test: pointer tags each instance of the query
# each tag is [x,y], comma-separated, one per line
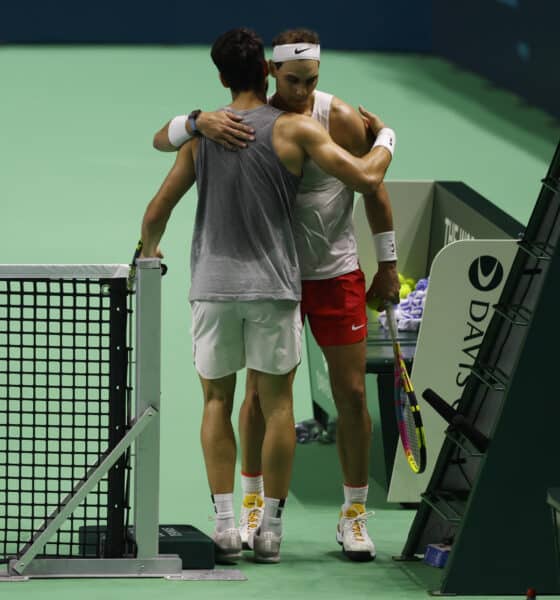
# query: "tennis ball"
[411,282]
[404,291]
[401,278]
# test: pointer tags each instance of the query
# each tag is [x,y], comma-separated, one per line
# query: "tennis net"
[64,402]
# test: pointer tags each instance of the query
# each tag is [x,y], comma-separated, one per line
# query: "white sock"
[252,484]
[272,515]
[223,506]
[354,495]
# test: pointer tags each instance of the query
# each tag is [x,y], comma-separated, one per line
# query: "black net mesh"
[63,392]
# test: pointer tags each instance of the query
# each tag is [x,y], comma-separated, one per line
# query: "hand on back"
[225,128]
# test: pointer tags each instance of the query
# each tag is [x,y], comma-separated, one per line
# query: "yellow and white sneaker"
[352,533]
[251,517]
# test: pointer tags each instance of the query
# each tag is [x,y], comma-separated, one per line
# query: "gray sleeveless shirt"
[243,245]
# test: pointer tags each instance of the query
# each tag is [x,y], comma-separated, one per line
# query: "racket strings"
[410,425]
[409,420]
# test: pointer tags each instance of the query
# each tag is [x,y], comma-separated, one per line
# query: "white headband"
[301,51]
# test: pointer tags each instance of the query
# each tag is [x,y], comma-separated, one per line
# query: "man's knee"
[218,401]
[351,400]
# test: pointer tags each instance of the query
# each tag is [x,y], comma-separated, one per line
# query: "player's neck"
[305,109]
[248,100]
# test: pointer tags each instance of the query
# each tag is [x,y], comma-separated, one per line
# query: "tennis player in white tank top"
[333,293]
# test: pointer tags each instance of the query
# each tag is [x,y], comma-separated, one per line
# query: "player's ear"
[272,69]
[223,81]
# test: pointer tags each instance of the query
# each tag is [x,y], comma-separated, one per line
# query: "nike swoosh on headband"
[299,51]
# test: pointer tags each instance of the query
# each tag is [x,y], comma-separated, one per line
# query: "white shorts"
[263,335]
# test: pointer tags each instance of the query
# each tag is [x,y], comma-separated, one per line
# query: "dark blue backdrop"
[363,25]
[514,43]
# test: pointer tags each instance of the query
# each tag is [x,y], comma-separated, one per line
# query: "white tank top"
[323,227]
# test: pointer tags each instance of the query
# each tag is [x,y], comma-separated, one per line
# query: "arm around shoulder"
[173,134]
[161,140]
[348,129]
[222,126]
[360,174]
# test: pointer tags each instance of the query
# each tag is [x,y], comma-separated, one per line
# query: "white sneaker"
[352,533]
[266,546]
[251,517]
[227,545]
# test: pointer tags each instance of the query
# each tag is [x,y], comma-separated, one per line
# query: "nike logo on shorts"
[356,327]
[300,50]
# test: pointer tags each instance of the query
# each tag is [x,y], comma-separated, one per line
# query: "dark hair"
[296,36]
[239,56]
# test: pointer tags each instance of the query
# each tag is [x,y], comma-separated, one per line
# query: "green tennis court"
[77,170]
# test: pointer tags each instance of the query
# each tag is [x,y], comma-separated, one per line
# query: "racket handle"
[137,253]
[391,320]
[456,420]
[135,256]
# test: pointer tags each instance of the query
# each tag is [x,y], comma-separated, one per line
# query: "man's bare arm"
[385,285]
[360,174]
[349,130]
[222,126]
[179,179]
[161,140]
[378,210]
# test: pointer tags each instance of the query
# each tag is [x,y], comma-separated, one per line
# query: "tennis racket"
[132,270]
[409,419]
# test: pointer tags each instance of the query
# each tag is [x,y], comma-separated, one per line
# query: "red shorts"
[336,308]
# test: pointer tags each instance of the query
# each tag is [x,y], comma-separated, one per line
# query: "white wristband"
[386,138]
[385,246]
[177,132]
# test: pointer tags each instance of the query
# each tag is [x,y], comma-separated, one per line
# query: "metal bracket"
[72,501]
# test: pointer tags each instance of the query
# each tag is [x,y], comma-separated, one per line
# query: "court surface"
[77,170]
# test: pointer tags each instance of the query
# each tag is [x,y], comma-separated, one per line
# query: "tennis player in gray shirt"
[245,277]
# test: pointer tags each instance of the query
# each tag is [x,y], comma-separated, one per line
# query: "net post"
[116,501]
[148,377]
